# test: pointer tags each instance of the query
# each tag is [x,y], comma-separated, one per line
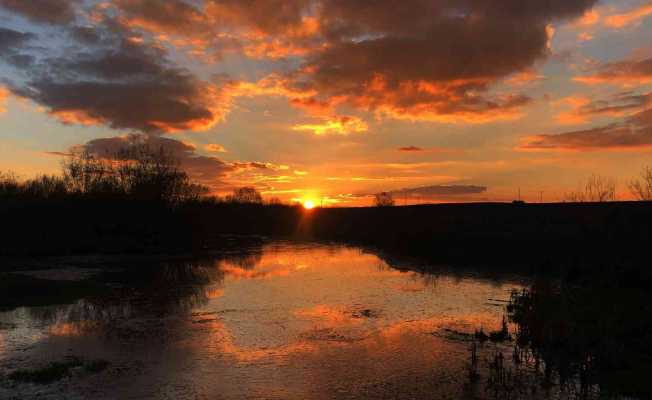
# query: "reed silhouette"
[584,338]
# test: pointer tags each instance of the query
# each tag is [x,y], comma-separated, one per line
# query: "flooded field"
[281,321]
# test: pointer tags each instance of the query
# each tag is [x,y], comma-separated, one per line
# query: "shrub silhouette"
[245,195]
[384,199]
[596,189]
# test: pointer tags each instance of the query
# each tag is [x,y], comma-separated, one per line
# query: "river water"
[279,321]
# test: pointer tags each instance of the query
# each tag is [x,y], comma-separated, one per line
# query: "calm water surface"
[283,321]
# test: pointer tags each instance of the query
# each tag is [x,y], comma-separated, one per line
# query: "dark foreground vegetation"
[592,336]
[585,338]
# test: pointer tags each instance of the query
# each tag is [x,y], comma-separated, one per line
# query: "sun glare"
[308,204]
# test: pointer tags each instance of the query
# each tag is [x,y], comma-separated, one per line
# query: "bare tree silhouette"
[641,188]
[137,171]
[596,189]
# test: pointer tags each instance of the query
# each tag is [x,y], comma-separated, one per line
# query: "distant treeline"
[448,234]
[139,201]
[543,235]
[136,200]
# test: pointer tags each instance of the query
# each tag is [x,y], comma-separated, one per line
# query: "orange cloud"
[625,73]
[584,109]
[524,78]
[314,106]
[262,30]
[589,18]
[343,125]
[215,148]
[573,116]
[445,102]
[4,95]
[164,17]
[628,18]
[271,85]
[76,117]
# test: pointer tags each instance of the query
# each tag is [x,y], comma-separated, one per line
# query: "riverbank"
[489,233]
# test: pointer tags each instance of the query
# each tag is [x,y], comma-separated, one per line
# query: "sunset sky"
[334,100]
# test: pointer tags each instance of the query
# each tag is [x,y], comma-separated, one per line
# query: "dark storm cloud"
[11,40]
[122,84]
[85,34]
[414,59]
[431,60]
[440,191]
[257,28]
[632,133]
[617,105]
[427,60]
[269,16]
[21,60]
[622,72]
[44,11]
[410,148]
[172,16]
[12,43]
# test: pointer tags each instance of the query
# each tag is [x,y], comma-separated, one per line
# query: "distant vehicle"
[519,202]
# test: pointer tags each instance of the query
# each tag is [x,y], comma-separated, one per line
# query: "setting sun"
[308,204]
